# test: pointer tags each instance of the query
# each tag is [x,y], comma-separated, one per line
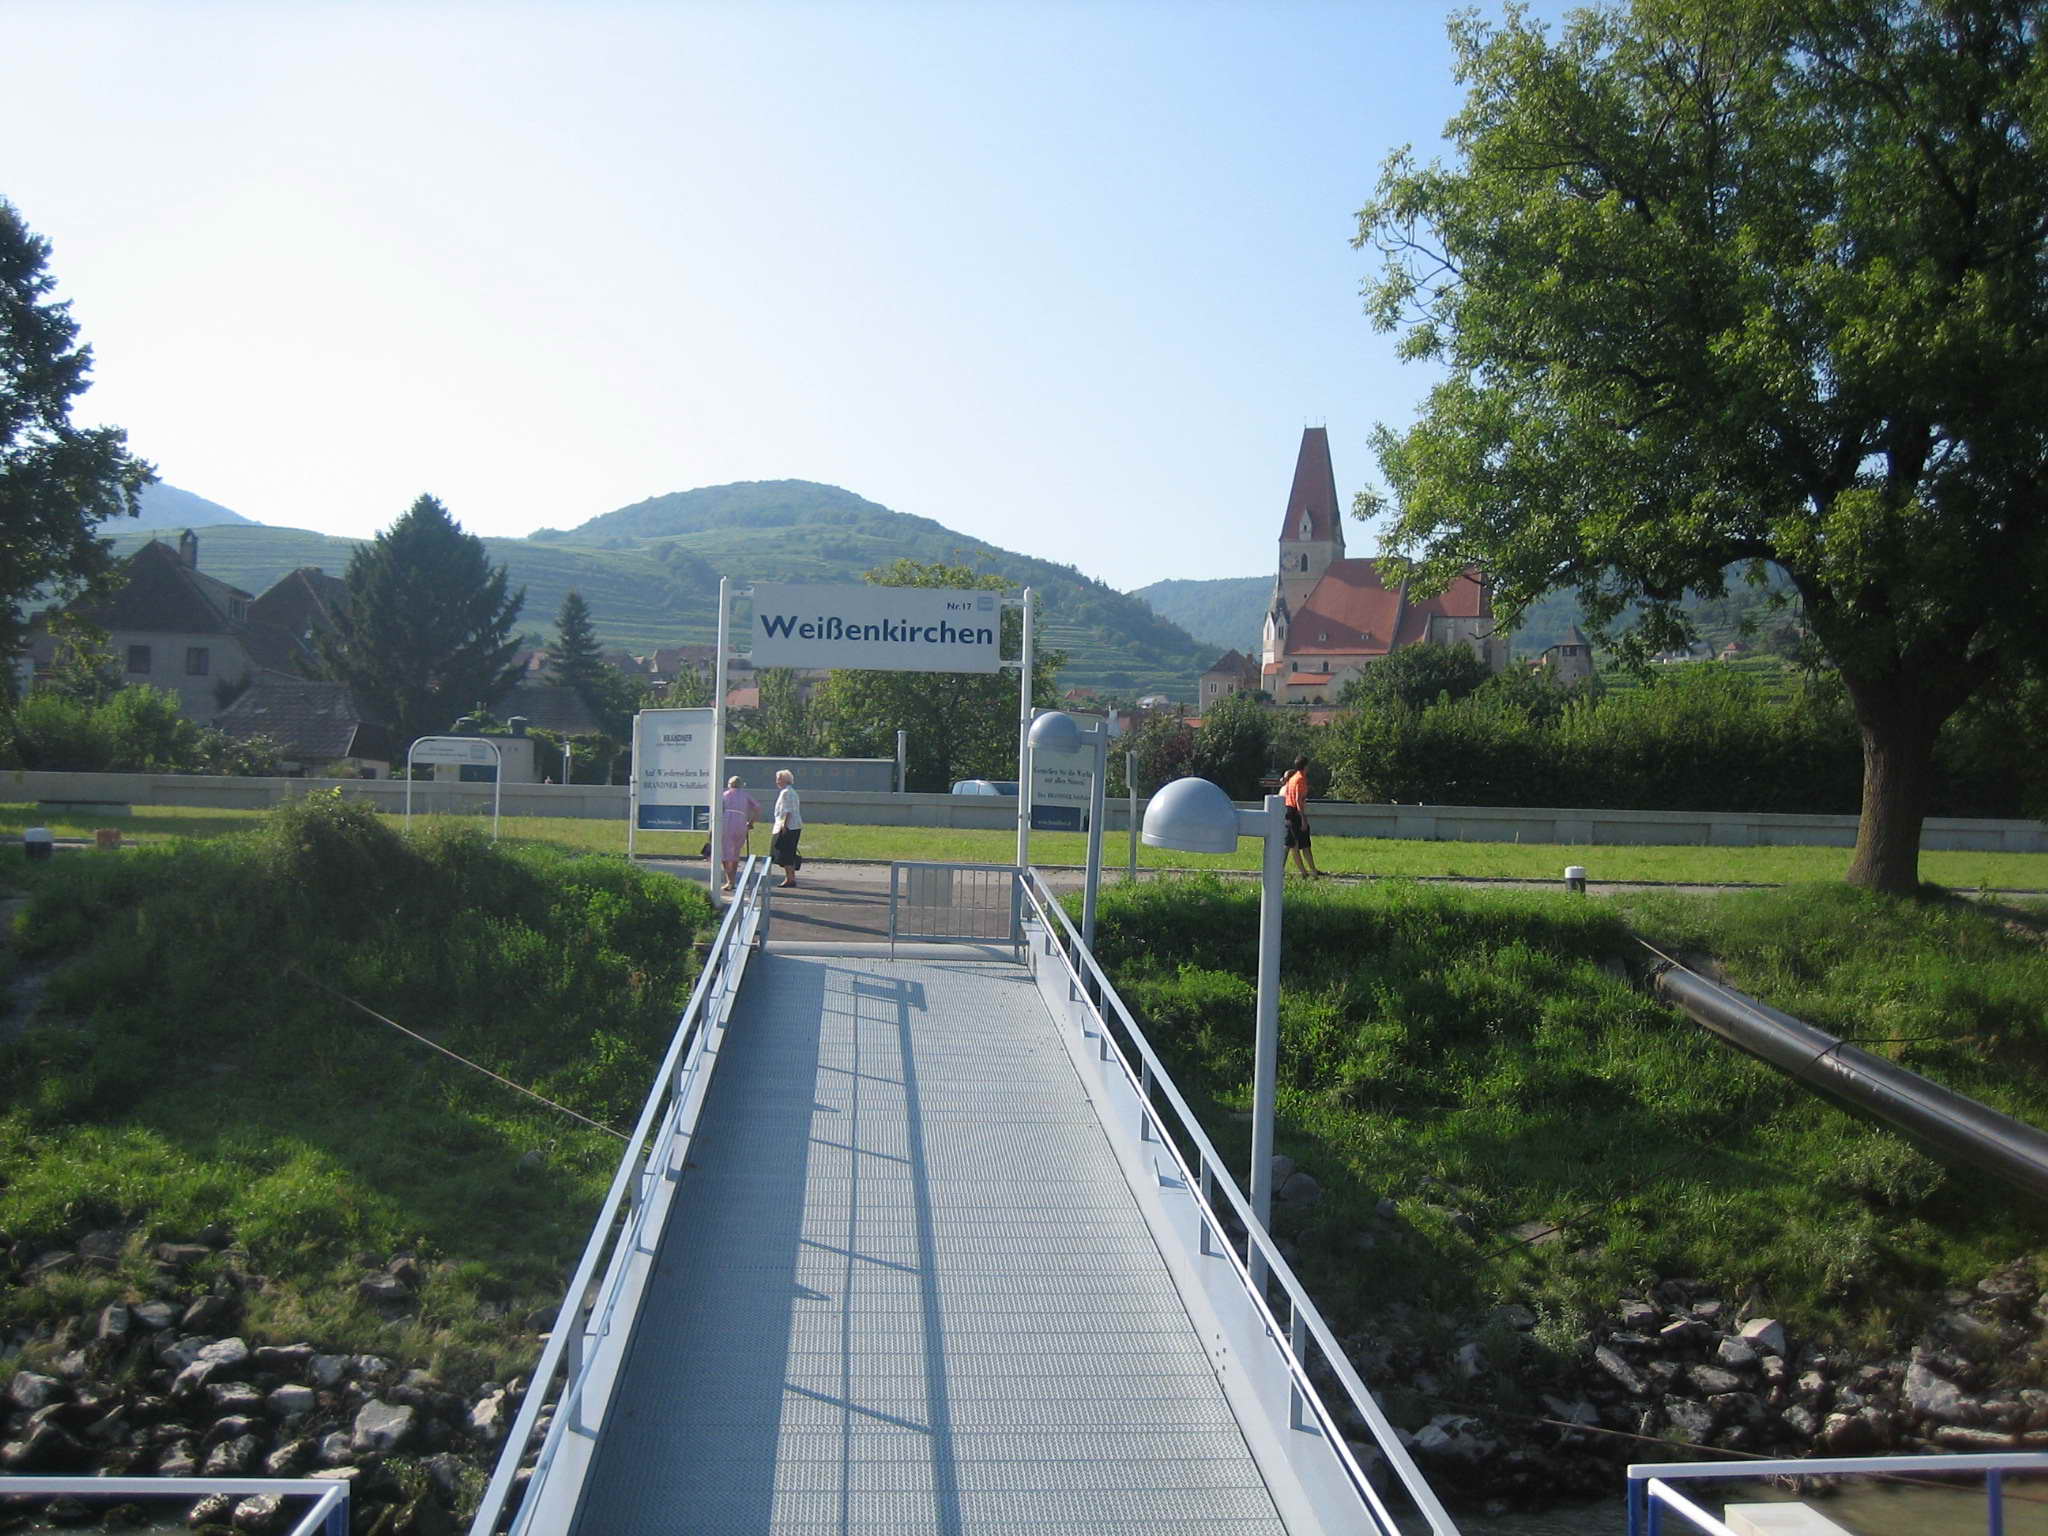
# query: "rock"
[155,1316]
[1744,1408]
[176,1460]
[1692,1422]
[1765,1334]
[209,1314]
[492,1417]
[424,1516]
[1639,1316]
[1625,1375]
[328,1370]
[1516,1316]
[259,1514]
[115,1321]
[291,1401]
[1711,1380]
[284,1359]
[1960,1437]
[1299,1189]
[368,1367]
[1709,1310]
[214,1509]
[1849,1434]
[1536,1234]
[1801,1420]
[1685,1331]
[109,1426]
[291,1458]
[1929,1397]
[1469,1361]
[66,1510]
[181,1255]
[1738,1354]
[45,1448]
[220,1355]
[1282,1165]
[234,1458]
[382,1427]
[385,1292]
[235,1398]
[1388,1209]
[447,1474]
[1455,1437]
[30,1391]
[336,1449]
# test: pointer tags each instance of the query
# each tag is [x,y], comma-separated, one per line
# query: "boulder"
[154,1316]
[260,1514]
[1930,1397]
[1692,1422]
[328,1370]
[1626,1376]
[382,1427]
[1765,1334]
[1712,1380]
[214,1509]
[234,1458]
[291,1401]
[30,1391]
[1736,1353]
[1961,1437]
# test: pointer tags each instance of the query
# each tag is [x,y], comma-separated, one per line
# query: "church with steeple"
[1331,616]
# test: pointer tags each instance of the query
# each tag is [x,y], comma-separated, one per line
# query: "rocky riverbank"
[167,1387]
[1683,1370]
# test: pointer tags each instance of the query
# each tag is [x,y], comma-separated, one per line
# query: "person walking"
[740,810]
[1294,790]
[788,827]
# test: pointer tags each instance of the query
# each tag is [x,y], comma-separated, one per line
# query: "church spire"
[1312,513]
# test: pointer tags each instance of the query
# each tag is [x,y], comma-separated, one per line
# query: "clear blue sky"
[1070,278]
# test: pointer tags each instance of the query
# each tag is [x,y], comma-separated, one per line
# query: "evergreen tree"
[427,634]
[56,480]
[577,660]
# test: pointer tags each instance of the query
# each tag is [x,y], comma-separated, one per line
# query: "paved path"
[906,1289]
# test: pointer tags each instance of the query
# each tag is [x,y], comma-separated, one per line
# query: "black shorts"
[783,849]
[1297,829]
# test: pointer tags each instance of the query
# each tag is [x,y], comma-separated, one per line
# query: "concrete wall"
[98,793]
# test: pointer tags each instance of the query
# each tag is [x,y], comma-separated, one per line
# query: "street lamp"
[1195,816]
[1058,731]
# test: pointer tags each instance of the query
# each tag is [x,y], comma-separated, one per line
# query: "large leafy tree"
[56,480]
[1736,283]
[961,725]
[428,631]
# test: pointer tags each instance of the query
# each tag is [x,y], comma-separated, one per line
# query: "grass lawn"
[1339,855]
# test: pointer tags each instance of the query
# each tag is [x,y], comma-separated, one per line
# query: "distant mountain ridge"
[650,573]
[165,506]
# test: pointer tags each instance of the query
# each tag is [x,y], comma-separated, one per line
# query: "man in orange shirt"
[1294,790]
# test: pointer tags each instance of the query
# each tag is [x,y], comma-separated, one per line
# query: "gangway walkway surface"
[907,1288]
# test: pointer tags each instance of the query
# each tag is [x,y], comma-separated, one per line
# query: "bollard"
[1575,879]
[106,837]
[37,843]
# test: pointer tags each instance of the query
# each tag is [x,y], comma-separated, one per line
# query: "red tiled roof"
[1352,612]
[1314,493]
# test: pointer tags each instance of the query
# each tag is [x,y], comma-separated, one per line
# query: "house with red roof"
[1333,616]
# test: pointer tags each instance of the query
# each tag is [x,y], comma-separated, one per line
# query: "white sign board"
[877,629]
[672,769]
[452,749]
[1061,785]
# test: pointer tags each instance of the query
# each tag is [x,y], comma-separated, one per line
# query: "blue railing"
[1650,1490]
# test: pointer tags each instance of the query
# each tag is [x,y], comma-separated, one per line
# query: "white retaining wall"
[110,793]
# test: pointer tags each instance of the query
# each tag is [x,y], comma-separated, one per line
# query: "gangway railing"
[944,903]
[629,1225]
[326,1512]
[1650,1490]
[1271,1333]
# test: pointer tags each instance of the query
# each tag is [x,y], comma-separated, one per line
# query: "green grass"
[1354,856]
[187,1070]
[1479,1058]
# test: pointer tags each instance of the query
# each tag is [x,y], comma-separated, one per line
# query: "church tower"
[1311,537]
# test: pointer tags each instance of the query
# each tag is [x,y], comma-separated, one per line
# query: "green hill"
[650,573]
[1227,613]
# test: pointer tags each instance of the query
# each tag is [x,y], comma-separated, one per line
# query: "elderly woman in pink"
[740,810]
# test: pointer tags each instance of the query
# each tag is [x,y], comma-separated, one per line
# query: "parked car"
[985,787]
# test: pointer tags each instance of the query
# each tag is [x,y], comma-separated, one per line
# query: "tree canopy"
[428,632]
[1735,283]
[56,480]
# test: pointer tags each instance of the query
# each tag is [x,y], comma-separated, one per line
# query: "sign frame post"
[458,750]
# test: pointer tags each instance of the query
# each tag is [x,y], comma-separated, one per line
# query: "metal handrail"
[745,915]
[328,1514]
[1210,1175]
[1650,1490]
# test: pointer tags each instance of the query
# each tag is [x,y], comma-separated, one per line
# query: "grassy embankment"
[1477,1057]
[185,1074]
[1357,856]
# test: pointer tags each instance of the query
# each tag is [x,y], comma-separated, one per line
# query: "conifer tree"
[577,661]
[428,632]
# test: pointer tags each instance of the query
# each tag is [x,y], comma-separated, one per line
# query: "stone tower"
[1311,537]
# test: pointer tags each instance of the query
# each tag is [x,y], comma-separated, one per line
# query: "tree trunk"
[1898,770]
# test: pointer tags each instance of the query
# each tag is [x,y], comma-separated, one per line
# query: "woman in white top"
[789,826]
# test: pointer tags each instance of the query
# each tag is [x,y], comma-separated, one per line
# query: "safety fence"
[1651,1491]
[953,903]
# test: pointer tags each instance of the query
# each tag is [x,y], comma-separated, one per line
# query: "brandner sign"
[877,629]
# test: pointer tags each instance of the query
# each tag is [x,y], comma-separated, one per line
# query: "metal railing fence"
[1228,1228]
[1650,1492]
[946,903]
[328,1515]
[621,1233]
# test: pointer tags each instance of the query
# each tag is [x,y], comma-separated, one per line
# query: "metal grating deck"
[905,1289]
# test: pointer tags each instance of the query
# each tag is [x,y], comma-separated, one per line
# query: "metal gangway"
[919,1237]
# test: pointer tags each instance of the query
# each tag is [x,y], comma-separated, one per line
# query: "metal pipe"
[1947,1121]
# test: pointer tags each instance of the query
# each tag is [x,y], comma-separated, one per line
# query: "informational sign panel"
[453,749]
[1060,785]
[877,629]
[672,769]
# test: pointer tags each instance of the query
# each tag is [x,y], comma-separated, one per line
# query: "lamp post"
[1058,731]
[1195,816]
